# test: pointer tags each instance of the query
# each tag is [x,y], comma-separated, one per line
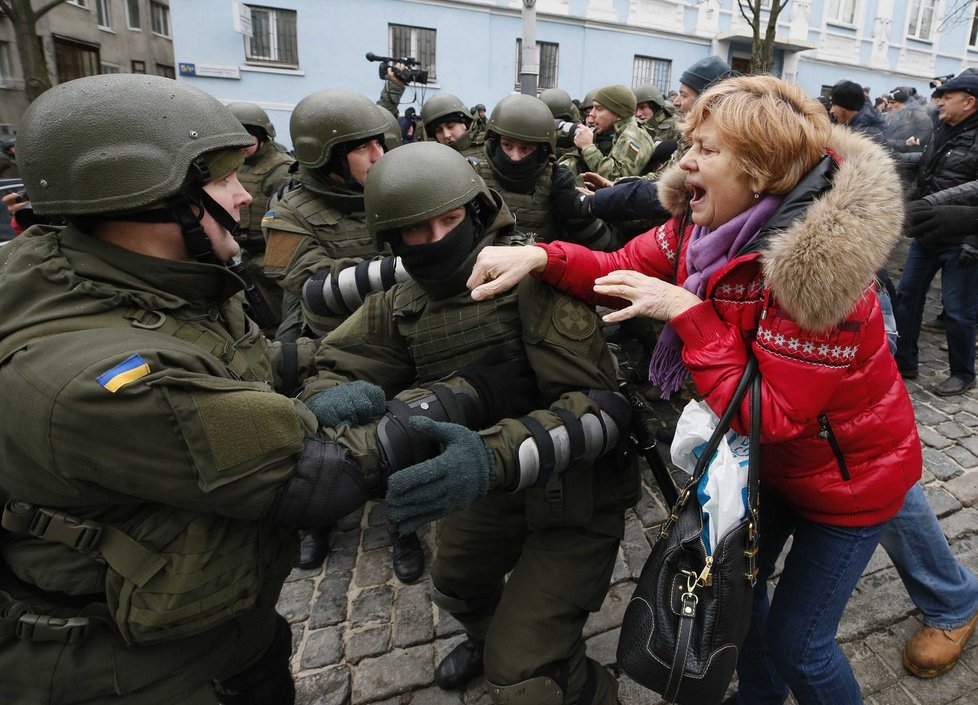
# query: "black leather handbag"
[689,614]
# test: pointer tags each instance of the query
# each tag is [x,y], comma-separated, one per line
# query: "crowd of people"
[215,348]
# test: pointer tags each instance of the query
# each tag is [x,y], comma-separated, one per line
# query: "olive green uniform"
[262,174]
[471,144]
[315,226]
[558,543]
[631,150]
[8,166]
[178,461]
[390,96]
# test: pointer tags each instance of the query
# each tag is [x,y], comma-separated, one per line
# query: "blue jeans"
[959,289]
[945,592]
[791,643]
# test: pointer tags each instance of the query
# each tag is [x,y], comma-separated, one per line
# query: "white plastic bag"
[722,489]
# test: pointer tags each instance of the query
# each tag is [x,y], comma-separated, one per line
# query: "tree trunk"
[24,19]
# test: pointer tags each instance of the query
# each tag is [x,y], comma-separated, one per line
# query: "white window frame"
[547,78]
[159,14]
[108,67]
[78,3]
[6,66]
[276,55]
[129,23]
[429,60]
[842,12]
[645,69]
[103,14]
[917,11]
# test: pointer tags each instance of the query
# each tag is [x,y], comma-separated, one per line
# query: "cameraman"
[390,96]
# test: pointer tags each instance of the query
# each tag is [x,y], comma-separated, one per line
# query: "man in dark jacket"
[849,107]
[947,174]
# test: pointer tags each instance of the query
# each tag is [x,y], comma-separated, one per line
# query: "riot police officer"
[518,505]
[153,478]
[520,165]
[265,169]
[319,248]
[447,121]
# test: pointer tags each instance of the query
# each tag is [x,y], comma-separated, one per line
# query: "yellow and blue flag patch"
[634,146]
[124,373]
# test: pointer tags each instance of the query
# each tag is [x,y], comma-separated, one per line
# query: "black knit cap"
[704,73]
[848,95]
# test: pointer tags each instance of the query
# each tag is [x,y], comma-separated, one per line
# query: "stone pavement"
[361,637]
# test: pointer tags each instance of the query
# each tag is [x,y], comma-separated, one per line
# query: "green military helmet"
[392,135]
[648,93]
[525,118]
[325,119]
[118,142]
[419,181]
[437,109]
[588,101]
[250,115]
[560,104]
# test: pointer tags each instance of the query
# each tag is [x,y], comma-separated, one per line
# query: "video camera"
[940,80]
[567,129]
[409,70]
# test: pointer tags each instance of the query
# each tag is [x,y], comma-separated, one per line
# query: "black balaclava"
[443,267]
[339,165]
[518,176]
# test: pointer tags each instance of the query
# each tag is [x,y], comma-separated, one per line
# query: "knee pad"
[539,690]
[467,611]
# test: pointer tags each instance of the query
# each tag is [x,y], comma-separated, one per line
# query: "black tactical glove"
[506,390]
[969,252]
[940,225]
[571,203]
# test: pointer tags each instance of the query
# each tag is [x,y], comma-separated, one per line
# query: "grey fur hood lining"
[820,266]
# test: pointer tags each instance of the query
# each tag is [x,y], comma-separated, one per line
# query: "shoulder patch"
[124,373]
[267,218]
[573,319]
[634,146]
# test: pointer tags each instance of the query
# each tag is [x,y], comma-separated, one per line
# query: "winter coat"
[869,122]
[947,173]
[838,432]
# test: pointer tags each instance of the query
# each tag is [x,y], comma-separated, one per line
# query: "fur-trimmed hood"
[818,267]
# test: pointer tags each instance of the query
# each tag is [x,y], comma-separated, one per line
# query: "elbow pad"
[575,440]
[327,484]
[341,295]
[400,446]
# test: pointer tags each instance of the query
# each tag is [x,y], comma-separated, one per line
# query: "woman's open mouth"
[698,194]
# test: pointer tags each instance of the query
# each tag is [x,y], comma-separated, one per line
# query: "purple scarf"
[706,253]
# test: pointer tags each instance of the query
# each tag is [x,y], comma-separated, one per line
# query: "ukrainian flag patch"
[124,373]
[634,146]
[267,218]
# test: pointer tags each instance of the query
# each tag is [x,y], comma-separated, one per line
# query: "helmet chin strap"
[198,244]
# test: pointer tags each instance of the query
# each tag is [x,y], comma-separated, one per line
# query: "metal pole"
[530,54]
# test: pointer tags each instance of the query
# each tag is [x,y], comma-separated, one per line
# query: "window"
[79,3]
[274,39]
[75,59]
[647,69]
[138,66]
[416,42]
[843,11]
[102,14]
[159,15]
[165,71]
[132,15]
[920,18]
[973,37]
[6,73]
[548,64]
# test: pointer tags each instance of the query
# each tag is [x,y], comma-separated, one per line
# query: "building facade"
[87,37]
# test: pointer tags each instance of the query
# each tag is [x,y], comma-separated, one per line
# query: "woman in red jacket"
[790,219]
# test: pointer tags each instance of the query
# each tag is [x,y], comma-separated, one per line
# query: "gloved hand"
[506,390]
[571,203]
[353,403]
[969,252]
[461,473]
[940,225]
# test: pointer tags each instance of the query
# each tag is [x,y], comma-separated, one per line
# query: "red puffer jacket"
[840,441]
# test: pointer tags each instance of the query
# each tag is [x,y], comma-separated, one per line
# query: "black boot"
[313,547]
[407,556]
[462,664]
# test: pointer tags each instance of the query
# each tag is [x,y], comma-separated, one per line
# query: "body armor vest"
[531,210]
[252,175]
[340,234]
[439,334]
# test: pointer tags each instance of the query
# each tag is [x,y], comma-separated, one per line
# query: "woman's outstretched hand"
[499,269]
[648,296]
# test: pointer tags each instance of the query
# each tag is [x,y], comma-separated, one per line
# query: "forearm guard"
[576,440]
[326,485]
[401,449]
[341,295]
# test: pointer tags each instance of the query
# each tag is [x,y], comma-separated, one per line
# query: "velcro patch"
[281,247]
[573,319]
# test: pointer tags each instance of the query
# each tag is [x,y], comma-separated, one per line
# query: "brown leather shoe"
[931,652]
